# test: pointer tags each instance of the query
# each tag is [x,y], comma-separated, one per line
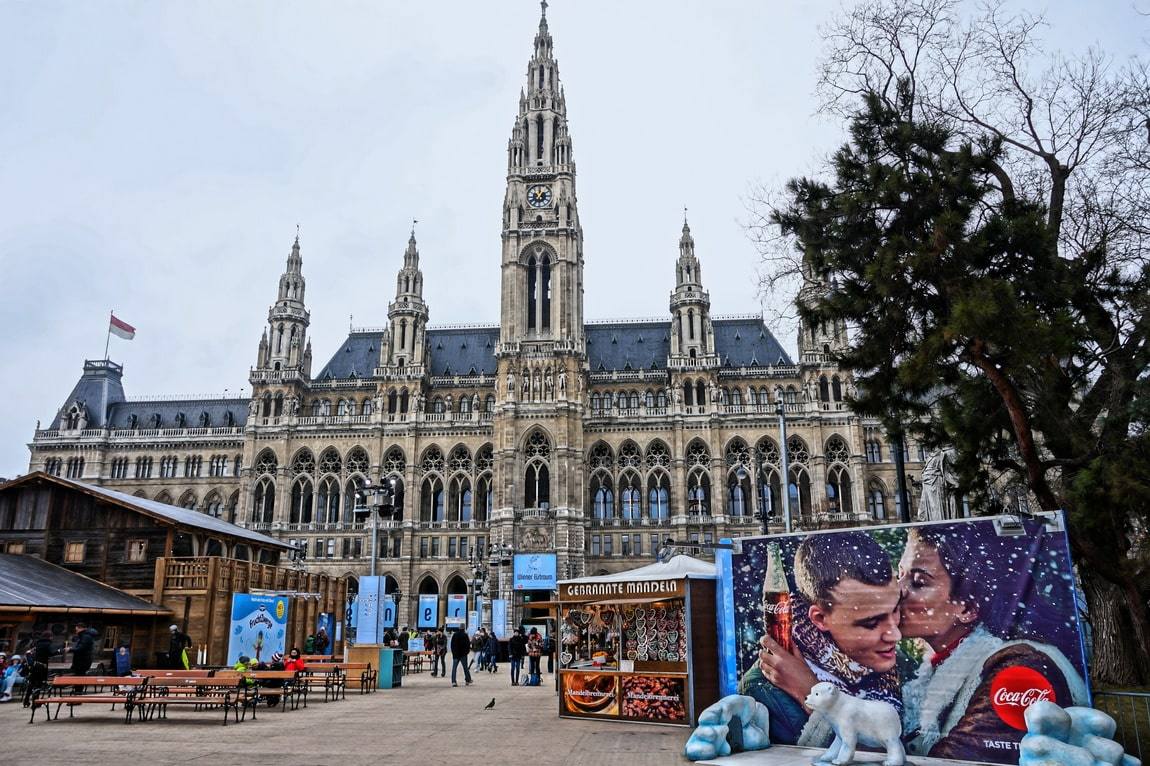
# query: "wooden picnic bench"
[413,661]
[280,684]
[318,658]
[368,676]
[325,676]
[107,690]
[231,692]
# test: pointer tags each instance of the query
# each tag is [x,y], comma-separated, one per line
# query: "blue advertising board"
[535,571]
[259,627]
[499,617]
[367,610]
[428,611]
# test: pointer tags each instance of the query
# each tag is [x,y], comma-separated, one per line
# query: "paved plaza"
[424,722]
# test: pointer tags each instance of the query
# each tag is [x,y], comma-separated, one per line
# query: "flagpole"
[108,338]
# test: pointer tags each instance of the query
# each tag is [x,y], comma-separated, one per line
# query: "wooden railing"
[231,575]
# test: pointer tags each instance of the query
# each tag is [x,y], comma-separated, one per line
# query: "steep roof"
[612,346]
[32,583]
[218,410]
[98,388]
[160,511]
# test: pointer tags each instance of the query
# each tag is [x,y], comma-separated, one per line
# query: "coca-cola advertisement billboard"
[960,625]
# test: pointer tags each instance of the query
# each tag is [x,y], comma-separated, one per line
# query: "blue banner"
[259,627]
[472,621]
[387,612]
[367,610]
[535,571]
[428,611]
[499,617]
[326,622]
[456,610]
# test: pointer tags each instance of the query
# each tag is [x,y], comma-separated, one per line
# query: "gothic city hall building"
[594,440]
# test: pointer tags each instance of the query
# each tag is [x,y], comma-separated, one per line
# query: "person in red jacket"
[294,662]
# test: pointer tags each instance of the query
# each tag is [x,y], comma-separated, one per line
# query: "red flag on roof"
[121,329]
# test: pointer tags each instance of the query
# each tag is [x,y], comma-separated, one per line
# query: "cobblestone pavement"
[426,722]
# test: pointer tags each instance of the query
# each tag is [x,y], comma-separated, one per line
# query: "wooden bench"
[107,690]
[233,692]
[368,676]
[317,658]
[413,661]
[325,676]
[280,684]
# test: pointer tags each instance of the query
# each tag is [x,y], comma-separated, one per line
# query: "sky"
[156,158]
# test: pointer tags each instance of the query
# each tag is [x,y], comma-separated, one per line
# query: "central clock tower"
[541,354]
[542,265]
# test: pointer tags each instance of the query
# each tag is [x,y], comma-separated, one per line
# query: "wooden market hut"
[185,562]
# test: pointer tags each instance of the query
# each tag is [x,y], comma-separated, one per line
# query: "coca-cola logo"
[1015,689]
[781,607]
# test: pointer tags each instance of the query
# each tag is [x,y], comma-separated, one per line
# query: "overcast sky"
[155,158]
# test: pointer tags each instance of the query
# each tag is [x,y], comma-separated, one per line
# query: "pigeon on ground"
[490,704]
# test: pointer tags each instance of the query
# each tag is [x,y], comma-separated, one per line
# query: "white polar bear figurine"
[857,721]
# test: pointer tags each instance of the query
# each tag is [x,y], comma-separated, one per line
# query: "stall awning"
[678,567]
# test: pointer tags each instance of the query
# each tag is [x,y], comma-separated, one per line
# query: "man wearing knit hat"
[177,649]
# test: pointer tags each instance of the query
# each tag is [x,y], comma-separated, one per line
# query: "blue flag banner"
[387,612]
[472,621]
[457,607]
[499,617]
[428,611]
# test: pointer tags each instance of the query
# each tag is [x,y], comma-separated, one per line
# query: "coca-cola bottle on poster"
[777,617]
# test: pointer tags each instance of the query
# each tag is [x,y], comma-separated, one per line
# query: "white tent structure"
[677,567]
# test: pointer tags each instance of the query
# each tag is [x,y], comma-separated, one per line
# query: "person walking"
[439,658]
[534,652]
[178,644]
[516,651]
[479,647]
[492,652]
[460,647]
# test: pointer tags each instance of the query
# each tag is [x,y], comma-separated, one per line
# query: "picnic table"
[413,661]
[108,690]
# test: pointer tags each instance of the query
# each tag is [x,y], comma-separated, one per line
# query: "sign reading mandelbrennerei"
[609,591]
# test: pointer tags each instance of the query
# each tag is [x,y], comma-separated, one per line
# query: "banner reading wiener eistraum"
[958,626]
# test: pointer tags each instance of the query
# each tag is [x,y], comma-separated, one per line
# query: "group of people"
[960,590]
[481,651]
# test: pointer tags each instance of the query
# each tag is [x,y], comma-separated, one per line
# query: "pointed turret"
[692,334]
[280,355]
[406,338]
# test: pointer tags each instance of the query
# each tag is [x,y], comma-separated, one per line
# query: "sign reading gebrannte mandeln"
[586,591]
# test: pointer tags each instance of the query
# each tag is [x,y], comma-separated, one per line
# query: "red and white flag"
[121,329]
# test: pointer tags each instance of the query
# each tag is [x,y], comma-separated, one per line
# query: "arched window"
[837,388]
[301,502]
[264,501]
[799,488]
[658,497]
[532,289]
[631,497]
[432,507]
[327,503]
[403,401]
[700,395]
[537,478]
[824,389]
[698,493]
[545,292]
[736,499]
[482,498]
[876,502]
[392,401]
[602,498]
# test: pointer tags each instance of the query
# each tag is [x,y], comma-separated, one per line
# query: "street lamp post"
[377,500]
[781,411]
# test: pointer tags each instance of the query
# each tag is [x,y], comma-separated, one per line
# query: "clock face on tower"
[539,196]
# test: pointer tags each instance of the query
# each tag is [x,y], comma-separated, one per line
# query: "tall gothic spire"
[539,137]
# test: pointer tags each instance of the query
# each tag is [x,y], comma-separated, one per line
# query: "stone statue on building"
[253,408]
[562,382]
[938,482]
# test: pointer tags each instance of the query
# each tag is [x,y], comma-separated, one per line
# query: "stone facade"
[597,441]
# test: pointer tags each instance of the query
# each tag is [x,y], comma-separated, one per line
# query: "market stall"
[639,645]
